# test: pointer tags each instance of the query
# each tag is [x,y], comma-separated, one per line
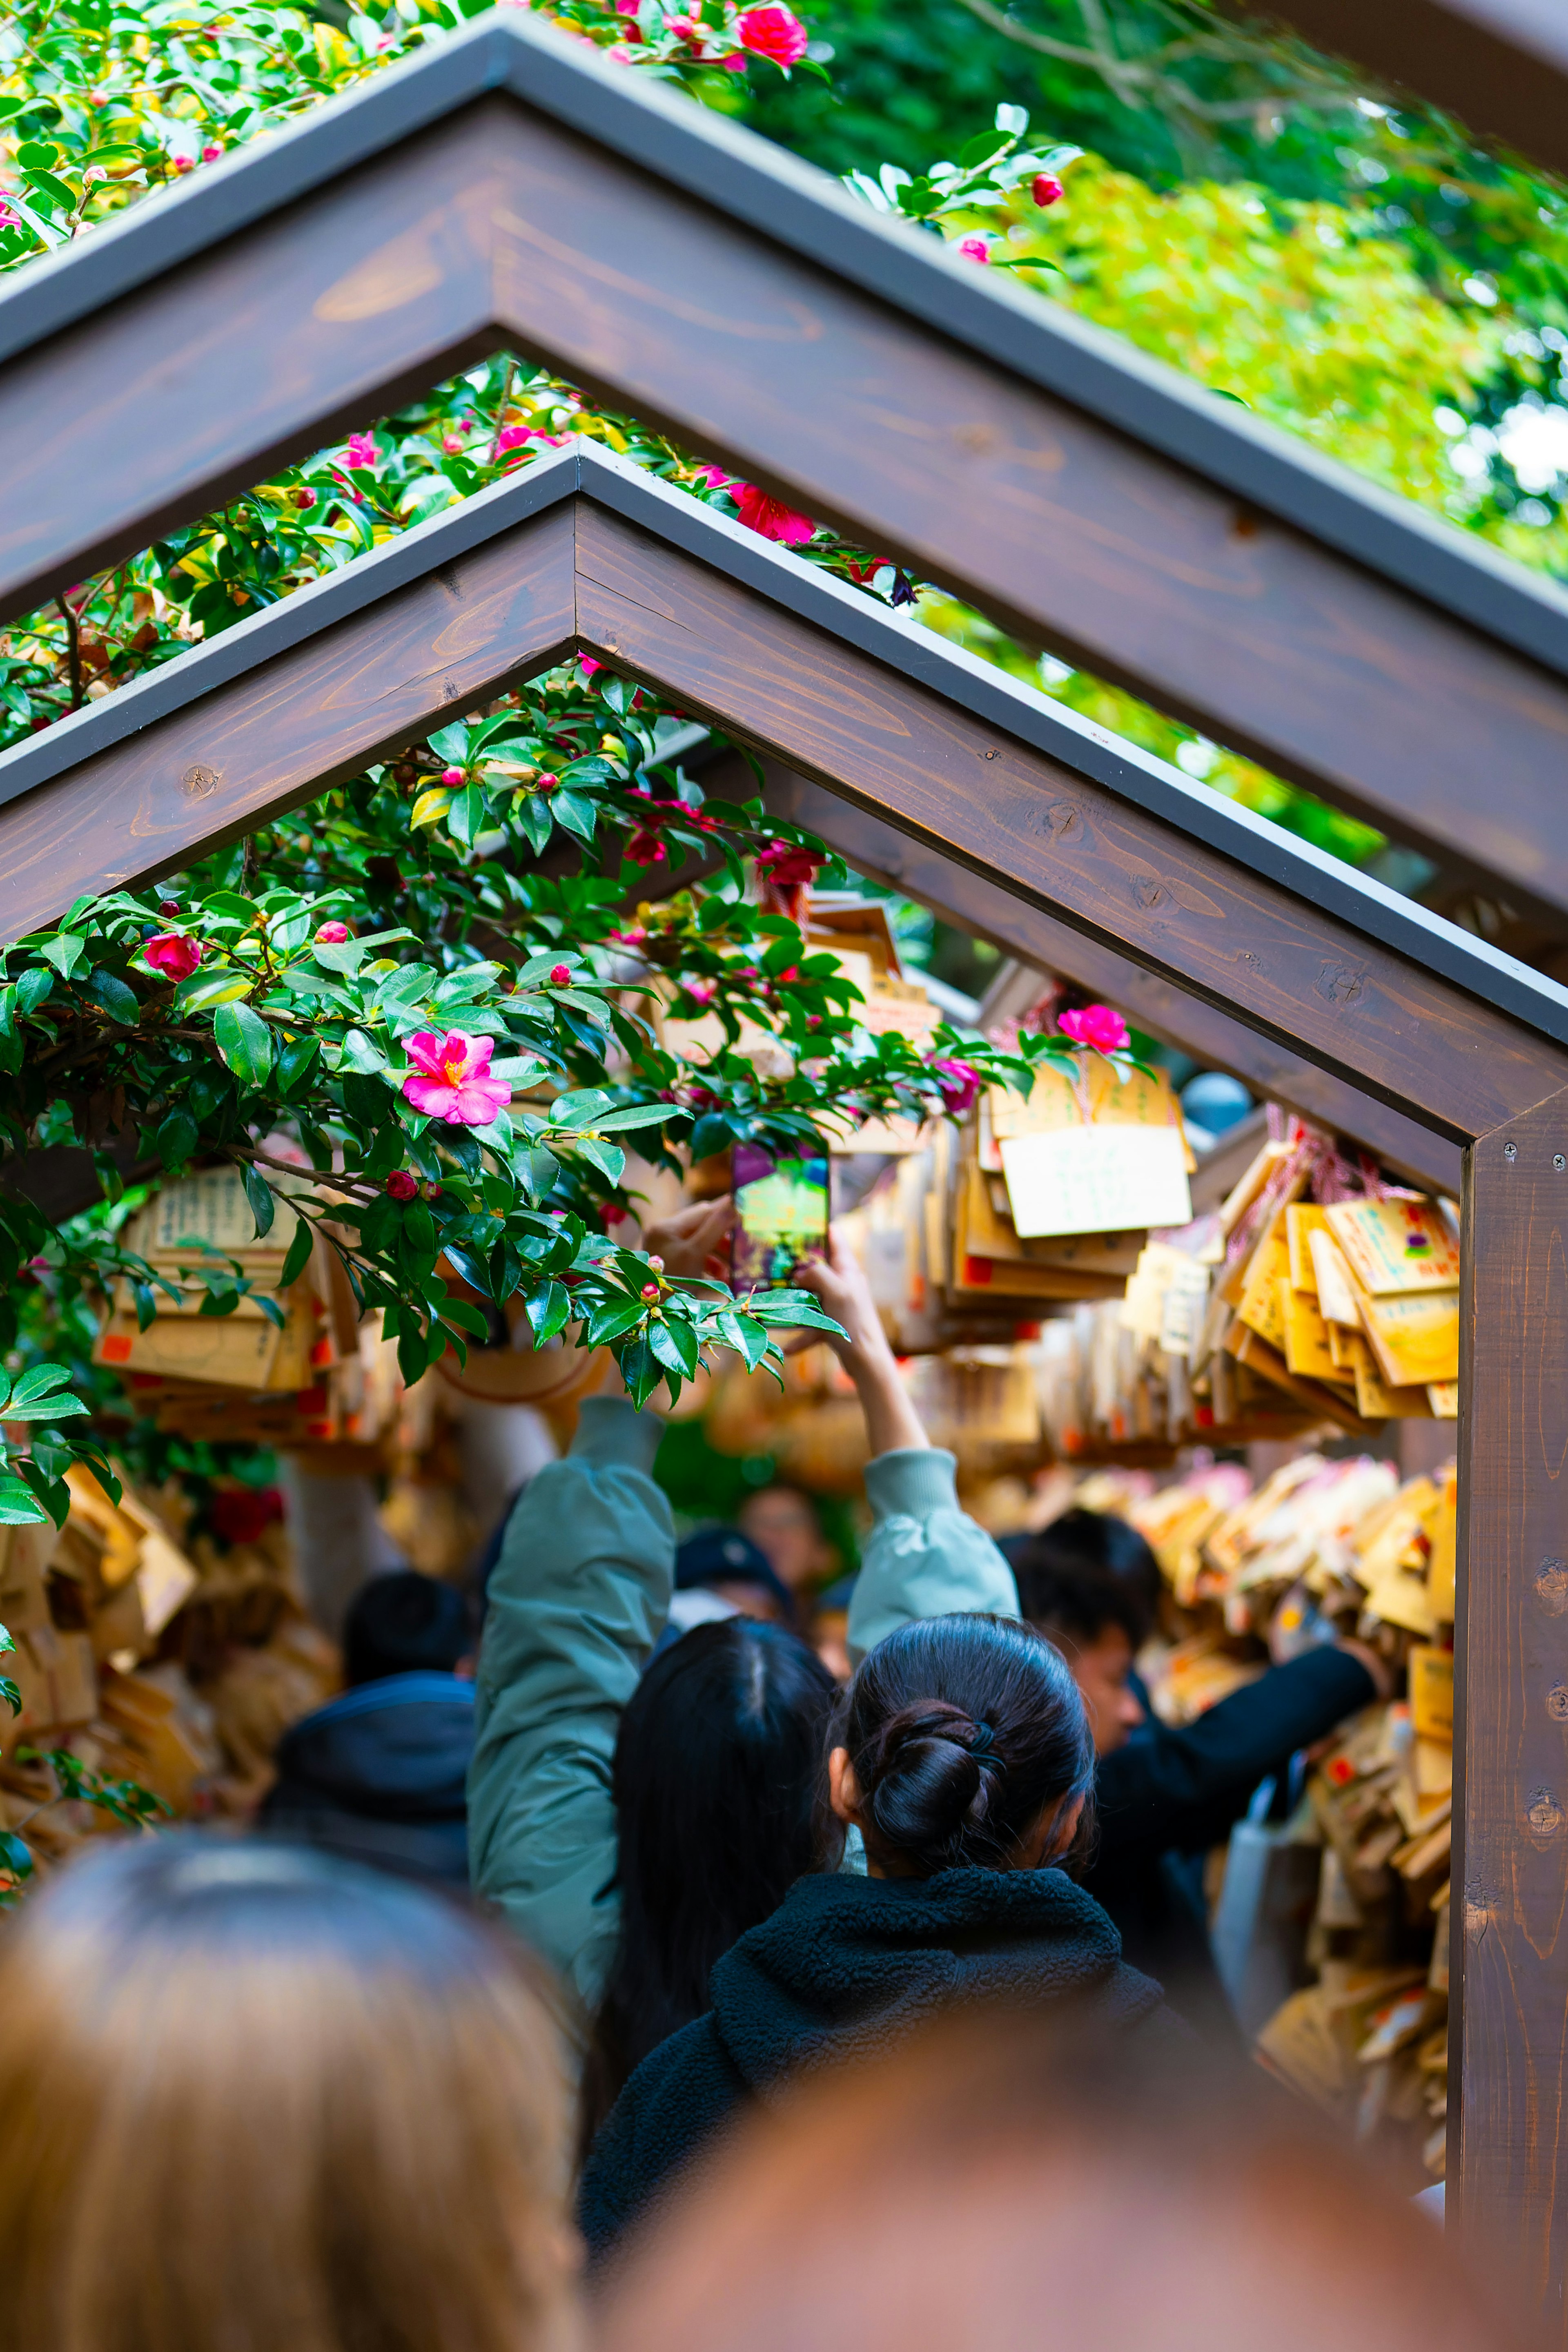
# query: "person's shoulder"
[680,2092]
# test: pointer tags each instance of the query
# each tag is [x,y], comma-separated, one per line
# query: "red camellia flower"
[960,1082]
[332,934]
[1096,1026]
[400,1185]
[646,848]
[775,32]
[172,954]
[242,1515]
[781,862]
[1045,188]
[612,1213]
[770,518]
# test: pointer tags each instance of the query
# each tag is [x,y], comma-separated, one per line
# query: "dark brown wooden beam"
[1500,66]
[981,906]
[1509,1954]
[502,225]
[305,721]
[1053,839]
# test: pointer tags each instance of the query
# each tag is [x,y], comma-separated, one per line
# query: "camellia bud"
[209,154]
[548,782]
[559,974]
[168,906]
[1046,188]
[332,934]
[400,1186]
[452,775]
[430,1191]
[305,499]
[650,1290]
[657,1263]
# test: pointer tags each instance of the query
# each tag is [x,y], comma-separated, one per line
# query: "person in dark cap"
[719,1572]
[379,1774]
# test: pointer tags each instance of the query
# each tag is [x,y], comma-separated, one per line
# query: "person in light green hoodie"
[579,1598]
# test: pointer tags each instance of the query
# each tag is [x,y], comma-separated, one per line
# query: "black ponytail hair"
[715,1781]
[961,1730]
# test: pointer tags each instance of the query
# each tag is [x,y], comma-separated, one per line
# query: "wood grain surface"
[293,727]
[501,225]
[1509,2144]
[876,848]
[1053,840]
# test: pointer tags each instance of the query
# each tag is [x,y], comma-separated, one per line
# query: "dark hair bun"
[961,1731]
[931,1781]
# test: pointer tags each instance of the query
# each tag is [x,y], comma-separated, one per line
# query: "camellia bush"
[405,1014]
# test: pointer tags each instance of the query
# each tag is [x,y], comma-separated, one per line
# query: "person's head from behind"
[1100,1540]
[782,1521]
[963,1744]
[1006,2184]
[1098,1622]
[255,2098]
[404,1623]
[715,1780]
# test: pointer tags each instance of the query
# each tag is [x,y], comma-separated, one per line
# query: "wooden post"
[1509,1964]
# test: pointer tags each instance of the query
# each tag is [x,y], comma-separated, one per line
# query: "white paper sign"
[1096,1179]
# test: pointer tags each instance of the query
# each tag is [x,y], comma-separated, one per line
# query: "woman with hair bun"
[963,1758]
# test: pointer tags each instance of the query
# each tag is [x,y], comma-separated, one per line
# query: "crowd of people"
[614,1967]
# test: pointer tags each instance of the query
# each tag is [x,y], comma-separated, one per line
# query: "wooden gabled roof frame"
[1500,66]
[510,189]
[670,265]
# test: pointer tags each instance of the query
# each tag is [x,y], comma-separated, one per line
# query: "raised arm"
[925,1558]
[578,1599]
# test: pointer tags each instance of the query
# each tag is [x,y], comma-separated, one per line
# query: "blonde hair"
[255,2101]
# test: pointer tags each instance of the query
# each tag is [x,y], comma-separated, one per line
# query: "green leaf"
[13,1856]
[576,814]
[244,1041]
[107,990]
[713,1133]
[175,1138]
[468,1317]
[19,1508]
[34,987]
[608,1158]
[633,1115]
[43,1379]
[549,1310]
[362,1054]
[675,1344]
[413,1356]
[294,1058]
[64,952]
[54,1408]
[258,1193]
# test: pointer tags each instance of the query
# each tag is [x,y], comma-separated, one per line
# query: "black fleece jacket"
[845,1967]
[1166,1793]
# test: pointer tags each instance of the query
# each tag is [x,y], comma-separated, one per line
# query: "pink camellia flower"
[183,162]
[172,954]
[773,31]
[770,518]
[211,153]
[716,481]
[588,668]
[1046,188]
[400,1185]
[702,991]
[634,935]
[960,1082]
[361,449]
[332,934]
[453,444]
[1096,1026]
[8,219]
[973,248]
[451,1079]
[452,775]
[560,974]
[783,862]
[736,62]
[646,849]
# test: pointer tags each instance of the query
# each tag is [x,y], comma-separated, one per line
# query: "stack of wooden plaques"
[238,1375]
